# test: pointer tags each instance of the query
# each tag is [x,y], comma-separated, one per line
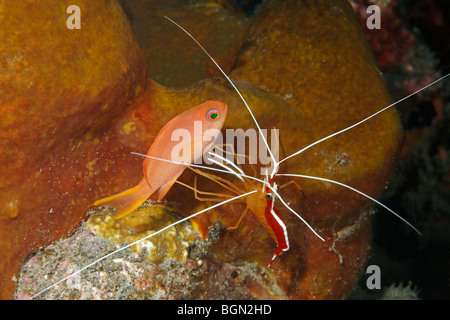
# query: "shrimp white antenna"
[358,123]
[144,238]
[355,190]
[223,165]
[236,89]
[293,211]
[230,171]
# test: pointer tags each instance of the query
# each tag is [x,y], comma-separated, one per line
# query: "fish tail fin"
[128,200]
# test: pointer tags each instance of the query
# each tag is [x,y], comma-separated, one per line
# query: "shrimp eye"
[268,196]
[212,115]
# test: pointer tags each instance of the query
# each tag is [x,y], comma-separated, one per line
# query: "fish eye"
[212,115]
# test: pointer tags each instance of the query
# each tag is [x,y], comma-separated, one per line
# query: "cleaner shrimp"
[269,186]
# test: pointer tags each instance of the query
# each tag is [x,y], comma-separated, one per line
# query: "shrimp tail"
[279,230]
[128,200]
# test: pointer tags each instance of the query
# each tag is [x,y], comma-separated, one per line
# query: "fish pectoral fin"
[166,187]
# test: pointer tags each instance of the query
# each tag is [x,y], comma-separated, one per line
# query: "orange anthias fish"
[161,175]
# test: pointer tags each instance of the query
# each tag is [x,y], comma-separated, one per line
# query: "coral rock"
[304,67]
[59,88]
[330,79]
